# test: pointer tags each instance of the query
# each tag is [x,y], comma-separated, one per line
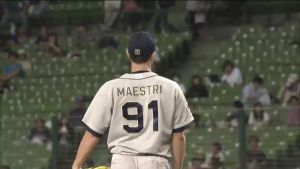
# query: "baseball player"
[145,115]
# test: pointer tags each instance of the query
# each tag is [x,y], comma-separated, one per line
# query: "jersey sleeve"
[98,115]
[182,115]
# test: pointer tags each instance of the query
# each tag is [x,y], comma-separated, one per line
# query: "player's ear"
[153,55]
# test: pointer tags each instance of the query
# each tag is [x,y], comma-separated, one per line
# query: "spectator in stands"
[53,48]
[197,88]
[132,12]
[215,158]
[197,162]
[111,13]
[43,35]
[162,12]
[81,36]
[293,114]
[256,159]
[258,117]
[77,113]
[255,92]
[23,60]
[238,112]
[39,134]
[177,78]
[290,88]
[196,16]
[65,131]
[13,69]
[3,84]
[231,74]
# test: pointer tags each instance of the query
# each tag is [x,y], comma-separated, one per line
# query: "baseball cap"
[140,46]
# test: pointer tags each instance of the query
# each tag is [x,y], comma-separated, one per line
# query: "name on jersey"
[139,90]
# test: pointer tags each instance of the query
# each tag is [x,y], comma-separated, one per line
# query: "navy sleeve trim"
[94,133]
[181,129]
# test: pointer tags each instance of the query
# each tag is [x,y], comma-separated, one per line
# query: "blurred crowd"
[16,34]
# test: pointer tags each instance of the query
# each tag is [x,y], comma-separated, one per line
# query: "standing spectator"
[197,162]
[290,88]
[53,48]
[13,69]
[176,77]
[196,10]
[258,117]
[293,113]
[215,158]
[197,88]
[39,134]
[231,74]
[256,159]
[65,131]
[77,113]
[238,110]
[255,92]
[111,12]
[132,12]
[162,12]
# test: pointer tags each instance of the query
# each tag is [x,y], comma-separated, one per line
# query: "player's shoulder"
[168,82]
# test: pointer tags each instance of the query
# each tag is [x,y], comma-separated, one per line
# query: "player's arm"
[178,149]
[87,145]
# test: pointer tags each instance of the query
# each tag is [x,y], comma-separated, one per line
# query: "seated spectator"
[290,88]
[42,35]
[13,69]
[231,74]
[255,158]
[176,77]
[23,60]
[258,116]
[255,92]
[77,113]
[238,111]
[293,114]
[197,162]
[81,36]
[215,158]
[53,48]
[65,131]
[39,134]
[197,88]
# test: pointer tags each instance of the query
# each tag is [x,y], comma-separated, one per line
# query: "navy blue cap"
[141,45]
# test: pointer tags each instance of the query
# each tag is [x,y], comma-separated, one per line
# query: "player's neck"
[140,67]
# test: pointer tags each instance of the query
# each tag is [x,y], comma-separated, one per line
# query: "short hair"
[238,104]
[227,63]
[253,138]
[12,53]
[257,104]
[217,145]
[293,98]
[258,80]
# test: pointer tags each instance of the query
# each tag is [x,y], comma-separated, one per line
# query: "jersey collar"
[138,75]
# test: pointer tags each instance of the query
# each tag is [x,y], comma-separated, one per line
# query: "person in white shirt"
[255,92]
[231,74]
[258,117]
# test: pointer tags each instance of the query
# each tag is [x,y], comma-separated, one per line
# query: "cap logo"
[137,52]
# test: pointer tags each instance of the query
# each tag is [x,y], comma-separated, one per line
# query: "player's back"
[143,114]
[142,110]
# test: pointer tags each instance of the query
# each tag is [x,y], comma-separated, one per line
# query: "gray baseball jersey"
[141,110]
